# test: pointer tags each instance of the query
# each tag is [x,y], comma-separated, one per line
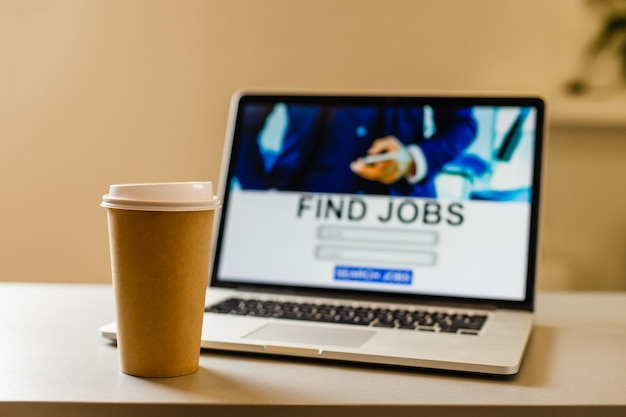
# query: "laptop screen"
[414,196]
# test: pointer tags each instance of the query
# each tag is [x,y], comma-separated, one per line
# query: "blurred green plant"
[610,37]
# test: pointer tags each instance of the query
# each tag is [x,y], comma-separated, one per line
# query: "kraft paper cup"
[160,237]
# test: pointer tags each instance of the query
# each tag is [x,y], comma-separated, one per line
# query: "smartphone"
[379,157]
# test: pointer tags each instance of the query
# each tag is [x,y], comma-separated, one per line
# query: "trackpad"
[311,335]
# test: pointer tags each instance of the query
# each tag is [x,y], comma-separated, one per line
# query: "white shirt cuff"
[421,167]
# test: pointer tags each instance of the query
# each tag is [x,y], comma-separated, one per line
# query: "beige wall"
[94,92]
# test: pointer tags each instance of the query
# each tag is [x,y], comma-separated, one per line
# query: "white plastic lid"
[164,196]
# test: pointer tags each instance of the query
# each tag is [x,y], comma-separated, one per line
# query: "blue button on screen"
[374,275]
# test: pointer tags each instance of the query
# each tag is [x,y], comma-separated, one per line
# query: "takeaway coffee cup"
[160,237]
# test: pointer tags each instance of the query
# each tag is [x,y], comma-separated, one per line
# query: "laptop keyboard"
[423,320]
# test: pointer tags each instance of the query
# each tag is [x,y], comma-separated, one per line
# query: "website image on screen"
[413,199]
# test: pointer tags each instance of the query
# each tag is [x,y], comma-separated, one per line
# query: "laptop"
[387,229]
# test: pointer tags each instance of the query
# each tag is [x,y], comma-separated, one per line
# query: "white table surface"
[54,362]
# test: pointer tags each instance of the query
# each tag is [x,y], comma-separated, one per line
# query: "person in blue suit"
[325,149]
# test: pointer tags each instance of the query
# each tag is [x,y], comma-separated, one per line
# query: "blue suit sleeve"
[455,131]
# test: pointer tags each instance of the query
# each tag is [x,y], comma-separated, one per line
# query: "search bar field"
[371,234]
[377,255]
